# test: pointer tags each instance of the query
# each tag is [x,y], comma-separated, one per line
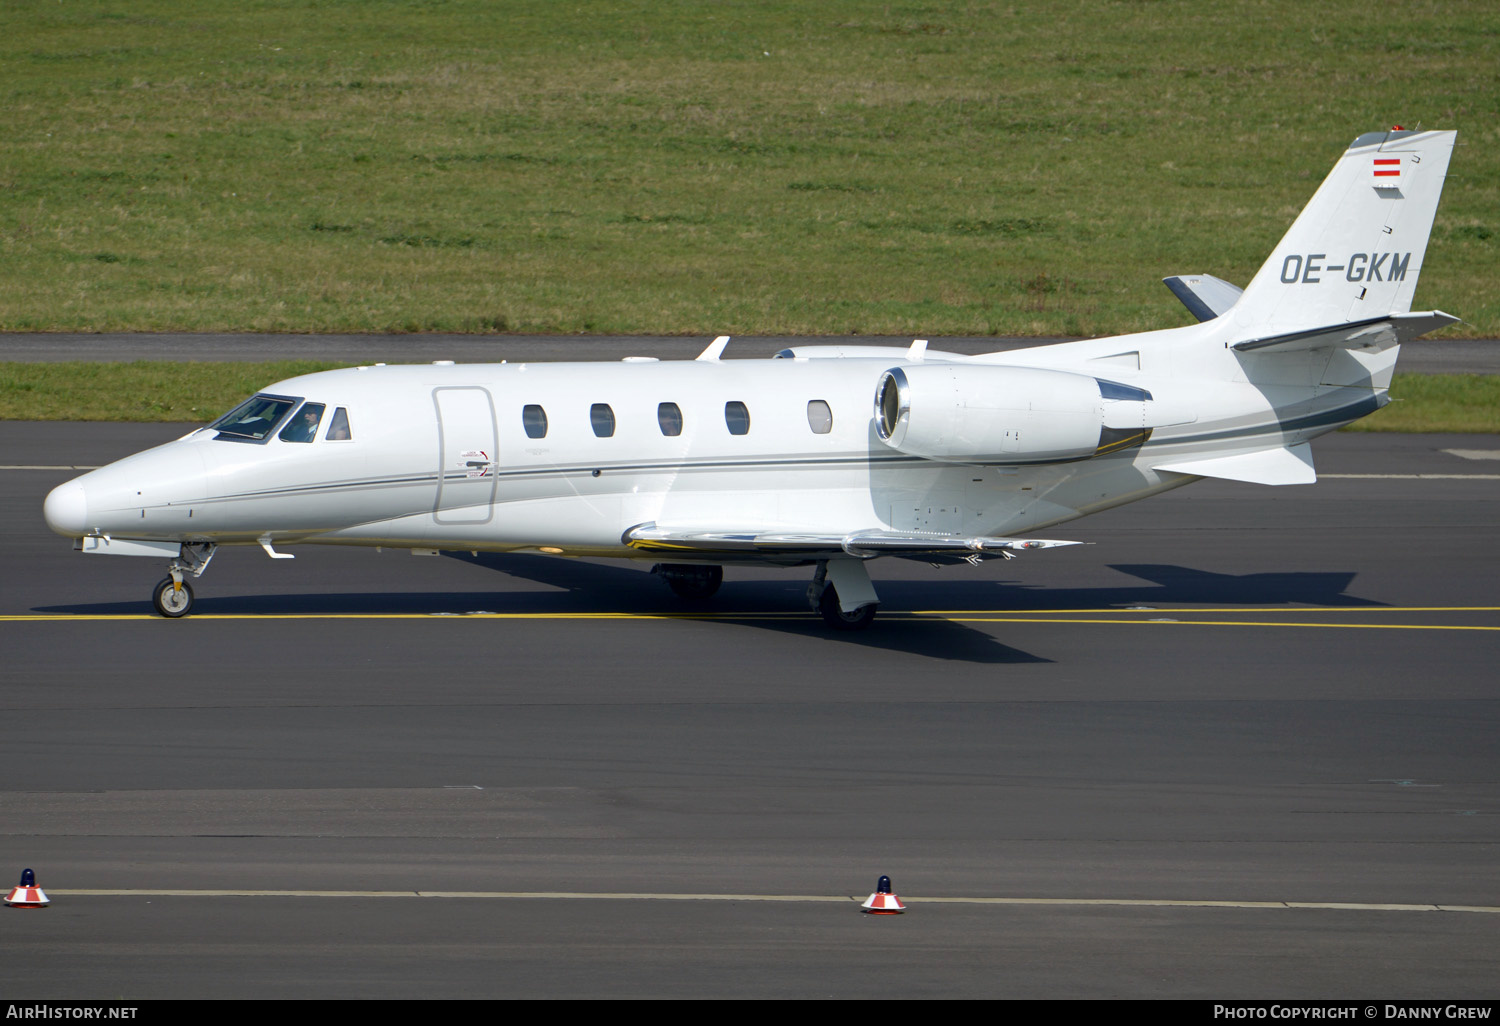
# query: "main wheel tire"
[694,583]
[172,601]
[833,616]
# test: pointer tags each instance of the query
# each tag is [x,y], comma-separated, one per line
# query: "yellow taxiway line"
[1152,616]
[1222,623]
[1342,906]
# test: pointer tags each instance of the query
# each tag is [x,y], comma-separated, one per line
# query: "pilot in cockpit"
[305,426]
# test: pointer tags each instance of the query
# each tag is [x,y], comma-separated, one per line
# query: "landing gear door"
[467,456]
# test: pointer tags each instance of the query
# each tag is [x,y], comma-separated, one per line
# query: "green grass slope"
[692,167]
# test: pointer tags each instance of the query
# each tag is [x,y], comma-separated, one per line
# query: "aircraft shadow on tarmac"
[1185,585]
[582,586]
[628,590]
[1166,584]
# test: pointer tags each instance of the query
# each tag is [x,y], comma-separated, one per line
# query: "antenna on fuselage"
[714,348]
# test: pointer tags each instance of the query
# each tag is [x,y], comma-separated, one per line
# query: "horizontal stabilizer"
[652,537]
[1205,296]
[1374,333]
[1267,467]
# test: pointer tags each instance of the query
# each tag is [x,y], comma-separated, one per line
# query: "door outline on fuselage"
[460,432]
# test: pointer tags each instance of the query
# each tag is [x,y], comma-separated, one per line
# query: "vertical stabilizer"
[1356,250]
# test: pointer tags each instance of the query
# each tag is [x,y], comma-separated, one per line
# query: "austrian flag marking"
[1387,170]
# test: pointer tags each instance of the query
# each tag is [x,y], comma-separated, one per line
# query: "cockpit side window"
[254,419]
[304,426]
[338,427]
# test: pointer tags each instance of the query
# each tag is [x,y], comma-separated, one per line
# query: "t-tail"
[1316,333]
[1345,273]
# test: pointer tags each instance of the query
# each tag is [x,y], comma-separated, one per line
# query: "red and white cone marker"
[27,894]
[883,902]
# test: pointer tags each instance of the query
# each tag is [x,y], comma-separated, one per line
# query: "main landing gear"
[173,596]
[842,594]
[690,581]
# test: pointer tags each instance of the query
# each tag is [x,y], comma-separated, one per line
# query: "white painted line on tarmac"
[1409,477]
[46,467]
[1474,454]
[1341,906]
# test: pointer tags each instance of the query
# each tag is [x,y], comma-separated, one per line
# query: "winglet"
[1205,296]
[918,351]
[714,348]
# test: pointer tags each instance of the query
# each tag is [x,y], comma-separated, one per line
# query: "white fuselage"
[439,456]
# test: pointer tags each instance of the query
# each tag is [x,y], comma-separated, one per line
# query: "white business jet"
[824,456]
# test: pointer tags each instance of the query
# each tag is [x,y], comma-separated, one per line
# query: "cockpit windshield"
[254,419]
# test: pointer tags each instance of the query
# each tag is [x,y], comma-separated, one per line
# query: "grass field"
[700,167]
[199,392]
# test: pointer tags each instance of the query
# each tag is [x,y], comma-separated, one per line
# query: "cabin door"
[467,457]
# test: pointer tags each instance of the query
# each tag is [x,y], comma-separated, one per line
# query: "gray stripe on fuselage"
[1321,418]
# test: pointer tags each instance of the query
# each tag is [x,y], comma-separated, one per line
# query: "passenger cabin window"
[534,420]
[737,417]
[304,426]
[819,417]
[603,419]
[254,419]
[338,427]
[670,419]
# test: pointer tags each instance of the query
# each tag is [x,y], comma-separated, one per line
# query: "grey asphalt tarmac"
[1245,698]
[1446,356]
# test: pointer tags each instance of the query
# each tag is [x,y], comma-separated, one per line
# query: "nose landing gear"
[173,596]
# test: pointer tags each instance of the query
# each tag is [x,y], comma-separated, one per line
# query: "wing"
[781,545]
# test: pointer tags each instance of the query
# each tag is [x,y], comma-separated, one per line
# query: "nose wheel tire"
[833,616]
[171,600]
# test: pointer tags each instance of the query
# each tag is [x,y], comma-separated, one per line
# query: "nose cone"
[67,509]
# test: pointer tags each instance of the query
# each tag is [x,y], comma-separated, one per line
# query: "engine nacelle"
[1000,415]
